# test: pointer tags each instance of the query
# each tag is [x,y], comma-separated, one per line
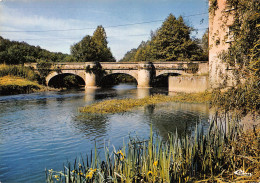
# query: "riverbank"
[10,85]
[122,105]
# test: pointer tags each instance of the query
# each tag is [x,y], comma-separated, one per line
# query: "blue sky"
[57,24]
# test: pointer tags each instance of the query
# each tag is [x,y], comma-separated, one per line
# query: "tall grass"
[206,156]
[17,70]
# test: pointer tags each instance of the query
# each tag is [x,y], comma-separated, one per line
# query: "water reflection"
[90,94]
[143,92]
[45,130]
[181,117]
[92,126]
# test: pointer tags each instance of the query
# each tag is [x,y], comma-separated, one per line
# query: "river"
[41,131]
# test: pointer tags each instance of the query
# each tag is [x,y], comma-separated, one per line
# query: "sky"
[55,25]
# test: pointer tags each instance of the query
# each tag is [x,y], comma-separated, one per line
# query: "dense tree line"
[171,42]
[90,48]
[14,52]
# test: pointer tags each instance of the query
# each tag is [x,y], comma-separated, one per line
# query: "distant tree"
[129,56]
[85,50]
[144,52]
[103,51]
[70,58]
[173,41]
[14,52]
[170,42]
[205,45]
[93,48]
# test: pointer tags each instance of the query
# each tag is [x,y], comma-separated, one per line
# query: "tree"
[129,56]
[103,51]
[85,50]
[173,41]
[170,42]
[14,52]
[93,48]
[205,45]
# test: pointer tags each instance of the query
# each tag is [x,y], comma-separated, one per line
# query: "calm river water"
[45,130]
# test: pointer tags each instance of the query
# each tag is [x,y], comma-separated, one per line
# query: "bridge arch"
[169,72]
[54,74]
[162,79]
[116,78]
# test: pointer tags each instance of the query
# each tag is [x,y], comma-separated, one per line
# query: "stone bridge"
[144,72]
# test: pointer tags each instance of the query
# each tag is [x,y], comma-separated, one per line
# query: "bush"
[17,70]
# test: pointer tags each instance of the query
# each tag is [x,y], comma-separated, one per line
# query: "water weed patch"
[122,105]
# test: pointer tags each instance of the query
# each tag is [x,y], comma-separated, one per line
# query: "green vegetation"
[15,79]
[205,45]
[93,48]
[215,156]
[88,49]
[244,56]
[16,85]
[122,105]
[15,70]
[244,98]
[171,42]
[14,52]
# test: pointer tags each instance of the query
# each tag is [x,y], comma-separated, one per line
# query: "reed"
[203,157]
[122,105]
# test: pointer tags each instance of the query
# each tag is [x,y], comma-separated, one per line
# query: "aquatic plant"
[122,105]
[225,152]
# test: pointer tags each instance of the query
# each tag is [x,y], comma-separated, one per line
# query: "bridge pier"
[91,75]
[90,80]
[145,74]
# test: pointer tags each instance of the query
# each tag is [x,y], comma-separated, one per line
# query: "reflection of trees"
[167,118]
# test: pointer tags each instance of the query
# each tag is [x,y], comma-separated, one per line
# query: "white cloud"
[121,39]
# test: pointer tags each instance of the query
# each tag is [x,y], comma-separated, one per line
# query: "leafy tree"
[103,52]
[173,41]
[93,48]
[170,42]
[205,45]
[129,56]
[85,50]
[14,52]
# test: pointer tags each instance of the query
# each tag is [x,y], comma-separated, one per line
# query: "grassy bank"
[17,70]
[16,79]
[224,154]
[16,85]
[122,105]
